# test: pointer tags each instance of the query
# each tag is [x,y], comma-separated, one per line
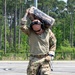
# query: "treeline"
[11,12]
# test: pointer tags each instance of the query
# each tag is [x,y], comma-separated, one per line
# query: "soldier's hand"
[48,58]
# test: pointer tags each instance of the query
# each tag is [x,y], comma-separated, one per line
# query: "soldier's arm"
[24,28]
[52,42]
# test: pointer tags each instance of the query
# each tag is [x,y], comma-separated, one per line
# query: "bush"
[66,53]
[1,53]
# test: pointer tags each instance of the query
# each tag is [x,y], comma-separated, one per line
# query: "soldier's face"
[37,29]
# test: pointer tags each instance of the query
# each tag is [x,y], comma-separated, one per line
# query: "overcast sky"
[65,0]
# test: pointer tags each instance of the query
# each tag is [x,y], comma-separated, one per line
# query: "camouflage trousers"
[36,65]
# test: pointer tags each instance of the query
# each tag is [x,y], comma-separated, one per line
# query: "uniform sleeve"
[52,43]
[25,29]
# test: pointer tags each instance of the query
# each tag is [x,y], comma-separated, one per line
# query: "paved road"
[63,68]
[19,67]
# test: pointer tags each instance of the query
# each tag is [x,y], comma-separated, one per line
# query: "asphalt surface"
[19,67]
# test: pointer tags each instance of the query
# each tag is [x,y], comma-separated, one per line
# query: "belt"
[39,56]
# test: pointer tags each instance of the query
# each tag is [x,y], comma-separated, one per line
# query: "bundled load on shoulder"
[34,13]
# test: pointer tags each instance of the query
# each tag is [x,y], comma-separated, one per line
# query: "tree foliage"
[16,41]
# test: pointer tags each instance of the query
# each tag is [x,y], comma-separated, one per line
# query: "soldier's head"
[36,26]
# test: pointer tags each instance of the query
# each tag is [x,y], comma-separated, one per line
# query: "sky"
[63,0]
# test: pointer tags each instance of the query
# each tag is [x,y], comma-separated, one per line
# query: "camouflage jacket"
[40,44]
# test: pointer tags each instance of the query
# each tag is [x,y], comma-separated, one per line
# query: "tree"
[63,28]
[71,8]
[1,22]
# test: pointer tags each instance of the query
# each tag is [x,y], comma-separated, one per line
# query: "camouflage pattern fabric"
[34,65]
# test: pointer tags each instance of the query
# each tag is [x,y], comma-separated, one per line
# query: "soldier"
[42,47]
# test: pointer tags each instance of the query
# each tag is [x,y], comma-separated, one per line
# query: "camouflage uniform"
[40,47]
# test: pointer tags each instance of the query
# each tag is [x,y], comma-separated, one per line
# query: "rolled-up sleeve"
[25,29]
